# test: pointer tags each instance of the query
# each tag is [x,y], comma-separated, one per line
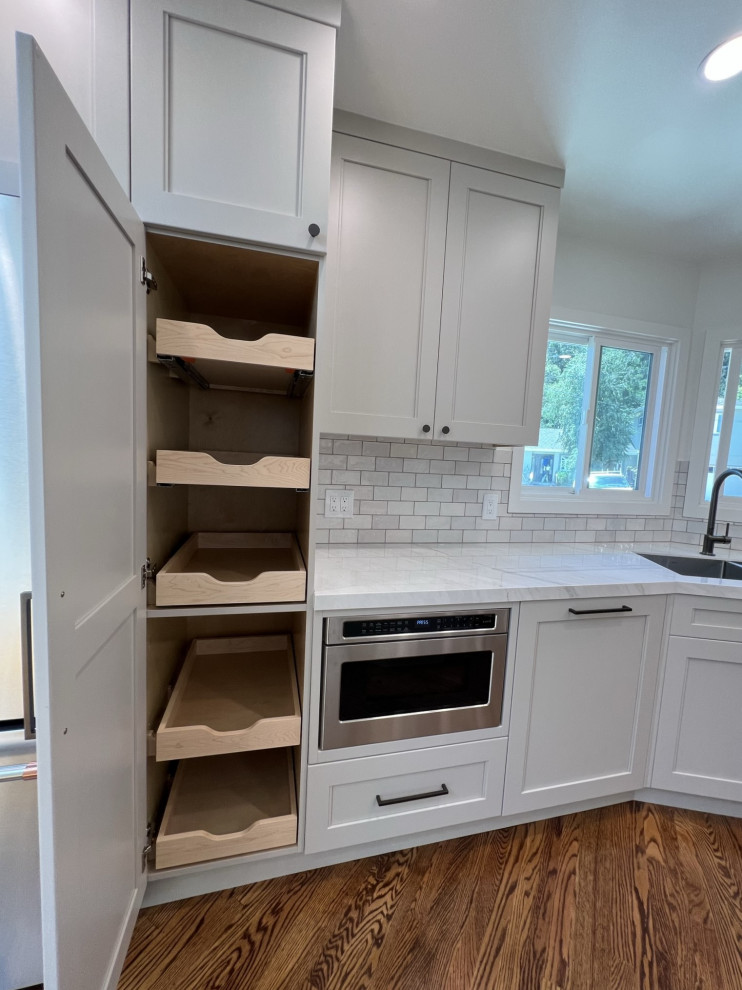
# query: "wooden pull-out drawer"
[233,694]
[377,797]
[232,362]
[228,805]
[233,569]
[202,467]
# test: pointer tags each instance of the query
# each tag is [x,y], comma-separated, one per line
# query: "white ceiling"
[608,89]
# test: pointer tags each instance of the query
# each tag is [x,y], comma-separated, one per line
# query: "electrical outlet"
[338,504]
[489,505]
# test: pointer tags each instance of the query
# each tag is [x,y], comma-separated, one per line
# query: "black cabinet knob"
[426,428]
[313,229]
[445,429]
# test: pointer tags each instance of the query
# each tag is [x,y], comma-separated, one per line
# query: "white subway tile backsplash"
[333,461]
[347,447]
[346,477]
[361,463]
[417,465]
[440,495]
[374,477]
[401,478]
[428,491]
[376,448]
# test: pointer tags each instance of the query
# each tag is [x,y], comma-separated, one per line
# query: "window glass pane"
[15,569]
[733,486]
[620,414]
[552,462]
[716,428]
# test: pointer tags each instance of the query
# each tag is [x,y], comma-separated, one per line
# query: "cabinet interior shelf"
[191,467]
[232,695]
[233,569]
[275,363]
[228,805]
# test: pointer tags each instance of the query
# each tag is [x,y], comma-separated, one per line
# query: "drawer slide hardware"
[148,572]
[300,381]
[600,611]
[148,845]
[383,802]
[184,370]
[147,278]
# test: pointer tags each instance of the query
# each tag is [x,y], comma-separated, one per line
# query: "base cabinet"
[379,797]
[699,732]
[585,674]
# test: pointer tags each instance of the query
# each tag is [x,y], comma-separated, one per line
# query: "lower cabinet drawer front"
[445,785]
[707,618]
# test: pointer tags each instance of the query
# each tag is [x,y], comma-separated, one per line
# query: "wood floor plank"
[631,897]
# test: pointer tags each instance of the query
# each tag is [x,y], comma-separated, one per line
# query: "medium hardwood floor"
[630,897]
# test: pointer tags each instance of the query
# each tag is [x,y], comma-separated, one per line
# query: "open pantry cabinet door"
[84,313]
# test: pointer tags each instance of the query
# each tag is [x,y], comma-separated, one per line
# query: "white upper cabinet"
[495,315]
[439,282]
[232,119]
[387,242]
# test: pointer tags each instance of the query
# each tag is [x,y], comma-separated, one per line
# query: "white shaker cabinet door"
[232,120]
[496,297]
[699,737]
[85,359]
[386,247]
[583,691]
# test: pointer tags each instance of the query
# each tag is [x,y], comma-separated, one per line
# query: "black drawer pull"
[383,802]
[600,611]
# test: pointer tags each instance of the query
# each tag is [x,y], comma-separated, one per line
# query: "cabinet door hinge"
[146,277]
[149,844]
[148,571]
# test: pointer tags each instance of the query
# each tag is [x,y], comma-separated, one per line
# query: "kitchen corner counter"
[356,577]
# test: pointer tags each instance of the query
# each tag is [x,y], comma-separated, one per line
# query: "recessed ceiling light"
[724,61]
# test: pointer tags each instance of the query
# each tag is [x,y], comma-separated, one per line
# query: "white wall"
[607,280]
[86,42]
[719,304]
[611,280]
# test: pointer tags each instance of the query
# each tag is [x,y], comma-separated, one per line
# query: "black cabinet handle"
[383,802]
[313,229]
[600,611]
[445,429]
[426,428]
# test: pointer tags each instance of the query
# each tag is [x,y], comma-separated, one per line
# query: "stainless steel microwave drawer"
[378,797]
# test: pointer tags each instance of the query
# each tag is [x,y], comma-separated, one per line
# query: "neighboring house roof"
[548,439]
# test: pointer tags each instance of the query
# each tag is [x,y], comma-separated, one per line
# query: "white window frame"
[695,505]
[653,495]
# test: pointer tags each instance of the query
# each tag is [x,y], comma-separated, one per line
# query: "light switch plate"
[338,504]
[489,505]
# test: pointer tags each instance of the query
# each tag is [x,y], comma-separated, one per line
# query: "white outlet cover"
[338,504]
[489,505]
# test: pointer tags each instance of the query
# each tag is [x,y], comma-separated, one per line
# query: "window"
[15,569]
[717,442]
[602,444]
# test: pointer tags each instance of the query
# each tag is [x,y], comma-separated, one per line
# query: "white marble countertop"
[356,577]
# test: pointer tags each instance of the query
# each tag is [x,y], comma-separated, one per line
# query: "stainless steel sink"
[698,566]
